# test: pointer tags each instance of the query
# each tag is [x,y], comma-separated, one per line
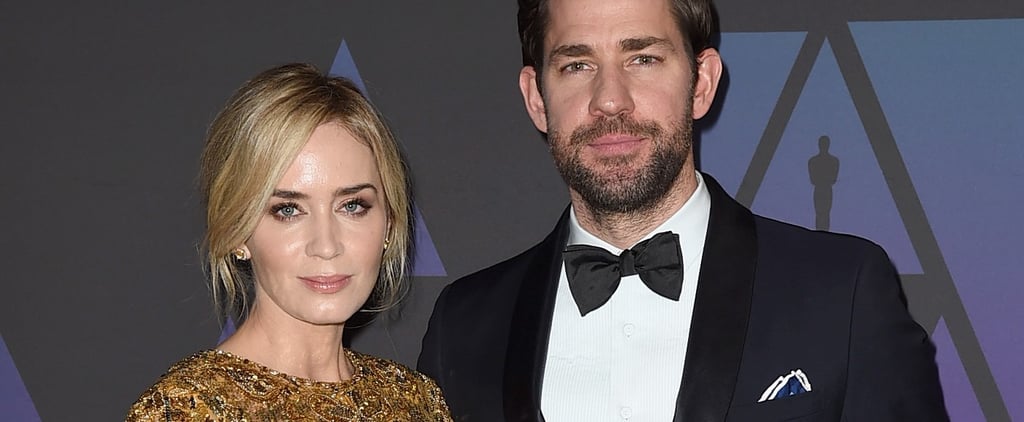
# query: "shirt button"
[626,413]
[628,330]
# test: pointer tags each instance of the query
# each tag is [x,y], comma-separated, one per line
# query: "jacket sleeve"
[430,359]
[892,371]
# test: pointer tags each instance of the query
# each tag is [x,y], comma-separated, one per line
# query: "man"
[693,309]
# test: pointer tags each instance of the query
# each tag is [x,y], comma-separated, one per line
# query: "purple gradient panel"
[15,403]
[862,203]
[426,262]
[227,330]
[955,384]
[954,97]
[757,65]
[346,67]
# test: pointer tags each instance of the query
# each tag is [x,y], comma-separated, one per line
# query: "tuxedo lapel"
[531,326]
[717,332]
[721,311]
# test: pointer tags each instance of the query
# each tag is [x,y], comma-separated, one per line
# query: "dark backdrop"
[104,109]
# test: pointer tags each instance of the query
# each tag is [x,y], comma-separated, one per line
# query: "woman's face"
[317,249]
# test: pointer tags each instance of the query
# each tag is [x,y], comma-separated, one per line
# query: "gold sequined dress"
[214,385]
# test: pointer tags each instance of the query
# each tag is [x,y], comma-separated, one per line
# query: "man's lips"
[615,143]
[612,139]
[326,283]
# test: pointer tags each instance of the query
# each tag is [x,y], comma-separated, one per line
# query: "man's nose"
[611,94]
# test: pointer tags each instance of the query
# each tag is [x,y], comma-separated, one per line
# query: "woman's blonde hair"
[251,144]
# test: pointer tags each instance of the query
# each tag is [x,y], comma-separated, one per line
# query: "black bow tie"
[594,273]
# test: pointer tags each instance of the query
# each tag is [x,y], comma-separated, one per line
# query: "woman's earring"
[386,244]
[239,254]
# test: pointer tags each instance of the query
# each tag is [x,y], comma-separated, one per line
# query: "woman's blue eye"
[355,207]
[285,211]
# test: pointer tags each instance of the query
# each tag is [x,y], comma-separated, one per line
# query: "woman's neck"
[288,345]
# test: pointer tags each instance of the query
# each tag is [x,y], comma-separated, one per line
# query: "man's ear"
[709,72]
[532,97]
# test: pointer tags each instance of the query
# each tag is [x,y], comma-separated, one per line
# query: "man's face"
[618,100]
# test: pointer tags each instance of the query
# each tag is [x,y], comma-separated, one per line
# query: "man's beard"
[621,189]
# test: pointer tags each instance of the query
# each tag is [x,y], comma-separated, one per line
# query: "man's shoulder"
[786,238]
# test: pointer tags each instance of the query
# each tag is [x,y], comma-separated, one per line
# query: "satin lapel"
[721,311]
[531,326]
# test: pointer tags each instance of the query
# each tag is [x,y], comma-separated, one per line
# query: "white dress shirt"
[624,360]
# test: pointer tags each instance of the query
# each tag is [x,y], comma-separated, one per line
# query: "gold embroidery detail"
[217,386]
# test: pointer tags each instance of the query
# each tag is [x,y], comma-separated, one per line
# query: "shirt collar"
[690,222]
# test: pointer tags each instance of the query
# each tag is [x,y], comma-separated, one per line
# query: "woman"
[307,215]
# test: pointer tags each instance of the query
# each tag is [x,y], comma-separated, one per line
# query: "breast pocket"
[804,407]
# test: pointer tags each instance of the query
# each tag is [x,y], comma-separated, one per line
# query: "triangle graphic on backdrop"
[15,403]
[426,262]
[861,201]
[956,386]
[935,277]
[758,66]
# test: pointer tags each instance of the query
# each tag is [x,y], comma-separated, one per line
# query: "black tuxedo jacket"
[771,298]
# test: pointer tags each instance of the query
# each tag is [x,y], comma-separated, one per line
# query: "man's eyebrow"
[628,44]
[572,50]
[637,44]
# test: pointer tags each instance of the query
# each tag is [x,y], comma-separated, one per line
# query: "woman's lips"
[326,283]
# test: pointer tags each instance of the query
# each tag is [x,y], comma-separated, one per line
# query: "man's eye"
[575,67]
[645,60]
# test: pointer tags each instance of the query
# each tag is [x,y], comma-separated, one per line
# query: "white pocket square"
[791,384]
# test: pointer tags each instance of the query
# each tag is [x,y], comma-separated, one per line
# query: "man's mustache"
[610,125]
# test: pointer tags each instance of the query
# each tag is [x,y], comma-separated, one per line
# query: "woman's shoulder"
[191,389]
[402,385]
[386,370]
[162,401]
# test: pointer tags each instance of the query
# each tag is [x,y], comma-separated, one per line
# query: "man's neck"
[624,230]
